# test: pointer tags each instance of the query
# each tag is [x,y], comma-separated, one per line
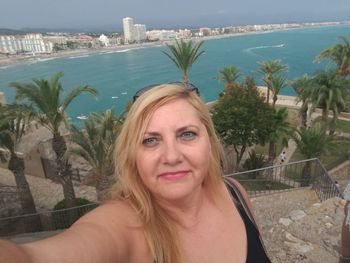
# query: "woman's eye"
[150,141]
[188,135]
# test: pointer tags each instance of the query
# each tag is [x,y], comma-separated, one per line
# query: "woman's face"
[173,159]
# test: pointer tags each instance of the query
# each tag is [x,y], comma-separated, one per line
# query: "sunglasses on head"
[190,86]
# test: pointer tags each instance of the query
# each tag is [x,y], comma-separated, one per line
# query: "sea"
[117,75]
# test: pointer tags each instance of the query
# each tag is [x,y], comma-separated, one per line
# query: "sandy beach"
[13,60]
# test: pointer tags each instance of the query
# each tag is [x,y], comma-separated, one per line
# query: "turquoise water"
[118,75]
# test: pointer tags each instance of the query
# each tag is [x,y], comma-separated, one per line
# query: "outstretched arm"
[97,237]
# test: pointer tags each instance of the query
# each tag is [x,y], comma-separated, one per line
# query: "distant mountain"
[7,31]
[22,31]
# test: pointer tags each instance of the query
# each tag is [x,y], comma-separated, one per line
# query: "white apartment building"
[128,28]
[36,44]
[161,35]
[139,32]
[10,44]
[33,43]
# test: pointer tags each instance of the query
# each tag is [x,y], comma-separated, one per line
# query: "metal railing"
[44,221]
[308,173]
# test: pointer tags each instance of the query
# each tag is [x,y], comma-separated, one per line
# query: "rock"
[299,247]
[285,221]
[328,225]
[297,244]
[297,215]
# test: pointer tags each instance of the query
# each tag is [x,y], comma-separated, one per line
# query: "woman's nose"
[171,152]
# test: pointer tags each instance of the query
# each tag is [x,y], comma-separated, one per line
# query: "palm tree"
[338,54]
[14,120]
[282,130]
[254,161]
[95,144]
[184,54]
[302,86]
[268,69]
[277,84]
[49,107]
[228,75]
[311,143]
[328,93]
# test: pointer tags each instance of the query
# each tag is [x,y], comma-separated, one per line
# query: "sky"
[108,14]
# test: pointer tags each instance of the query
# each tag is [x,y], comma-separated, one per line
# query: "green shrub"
[60,219]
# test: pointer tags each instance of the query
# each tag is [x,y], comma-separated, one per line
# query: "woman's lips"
[173,175]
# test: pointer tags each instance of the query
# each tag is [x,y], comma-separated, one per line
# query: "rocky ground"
[298,228]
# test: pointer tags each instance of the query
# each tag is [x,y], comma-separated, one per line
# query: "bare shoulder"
[242,190]
[105,234]
[112,213]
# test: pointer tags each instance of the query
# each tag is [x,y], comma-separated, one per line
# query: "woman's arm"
[12,253]
[100,236]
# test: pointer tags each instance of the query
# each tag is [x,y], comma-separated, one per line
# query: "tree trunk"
[32,223]
[268,95]
[303,115]
[274,100]
[64,175]
[333,124]
[306,175]
[272,153]
[325,116]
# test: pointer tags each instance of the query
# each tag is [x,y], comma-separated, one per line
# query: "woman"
[170,204]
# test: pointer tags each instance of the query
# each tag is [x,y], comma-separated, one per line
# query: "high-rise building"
[128,27]
[139,32]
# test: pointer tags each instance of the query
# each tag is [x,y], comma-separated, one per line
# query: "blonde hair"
[159,228]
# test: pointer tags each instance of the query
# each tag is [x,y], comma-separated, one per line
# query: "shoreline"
[15,60]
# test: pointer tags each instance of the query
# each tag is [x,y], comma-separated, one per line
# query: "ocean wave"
[261,47]
[79,56]
[124,50]
[5,67]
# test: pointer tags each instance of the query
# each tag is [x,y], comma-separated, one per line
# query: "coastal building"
[161,35]
[57,39]
[184,33]
[204,32]
[10,44]
[36,44]
[128,28]
[139,33]
[31,43]
[104,40]
[133,32]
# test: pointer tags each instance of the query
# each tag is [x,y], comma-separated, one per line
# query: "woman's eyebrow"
[191,126]
[152,133]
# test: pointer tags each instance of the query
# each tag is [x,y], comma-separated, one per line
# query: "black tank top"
[256,250]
